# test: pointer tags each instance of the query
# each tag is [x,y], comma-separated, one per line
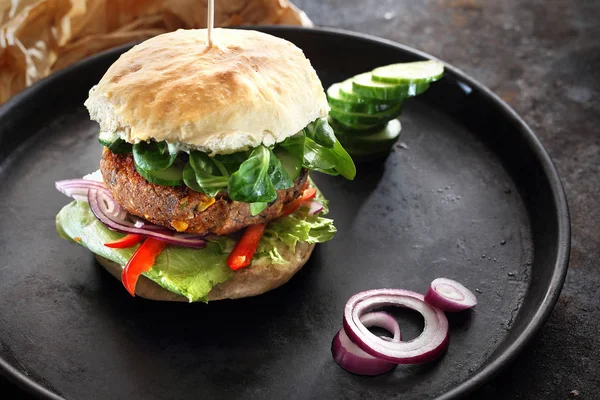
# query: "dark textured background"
[543,58]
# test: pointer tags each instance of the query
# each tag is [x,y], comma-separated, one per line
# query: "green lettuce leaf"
[188,272]
[293,229]
[193,272]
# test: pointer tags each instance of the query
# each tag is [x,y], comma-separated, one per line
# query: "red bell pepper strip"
[244,249]
[141,261]
[128,240]
[293,206]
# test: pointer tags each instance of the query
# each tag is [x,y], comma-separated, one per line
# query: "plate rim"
[552,293]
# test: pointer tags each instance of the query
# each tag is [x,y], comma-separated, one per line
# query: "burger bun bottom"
[262,276]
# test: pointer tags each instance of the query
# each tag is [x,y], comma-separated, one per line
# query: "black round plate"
[474,198]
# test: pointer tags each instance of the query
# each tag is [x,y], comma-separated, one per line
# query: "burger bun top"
[248,88]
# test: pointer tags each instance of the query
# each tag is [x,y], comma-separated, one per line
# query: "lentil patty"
[179,207]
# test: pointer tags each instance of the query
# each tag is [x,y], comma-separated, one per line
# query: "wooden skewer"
[211,20]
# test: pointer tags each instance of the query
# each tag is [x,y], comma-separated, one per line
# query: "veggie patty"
[182,209]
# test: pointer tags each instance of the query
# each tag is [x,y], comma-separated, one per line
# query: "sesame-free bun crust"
[256,279]
[248,88]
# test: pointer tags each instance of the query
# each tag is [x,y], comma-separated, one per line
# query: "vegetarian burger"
[203,191]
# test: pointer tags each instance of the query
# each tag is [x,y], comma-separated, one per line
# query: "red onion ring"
[115,217]
[78,188]
[99,204]
[351,358]
[430,344]
[449,295]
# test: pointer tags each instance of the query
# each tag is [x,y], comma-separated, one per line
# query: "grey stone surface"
[543,58]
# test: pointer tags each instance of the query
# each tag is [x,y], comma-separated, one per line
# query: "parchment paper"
[39,37]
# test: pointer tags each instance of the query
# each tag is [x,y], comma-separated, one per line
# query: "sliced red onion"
[78,188]
[115,217]
[111,208]
[314,207]
[449,295]
[430,344]
[385,321]
[351,358]
[99,204]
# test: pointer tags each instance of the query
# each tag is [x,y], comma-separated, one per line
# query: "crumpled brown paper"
[39,37]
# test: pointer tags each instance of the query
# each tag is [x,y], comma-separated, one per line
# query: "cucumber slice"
[171,176]
[347,93]
[120,146]
[410,72]
[361,119]
[354,128]
[347,125]
[351,104]
[364,85]
[114,142]
[107,138]
[153,156]
[338,128]
[291,164]
[389,133]
[378,142]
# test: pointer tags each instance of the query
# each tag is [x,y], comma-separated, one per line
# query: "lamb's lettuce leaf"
[253,176]
[251,183]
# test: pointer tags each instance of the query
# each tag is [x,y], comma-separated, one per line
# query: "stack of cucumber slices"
[365,108]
